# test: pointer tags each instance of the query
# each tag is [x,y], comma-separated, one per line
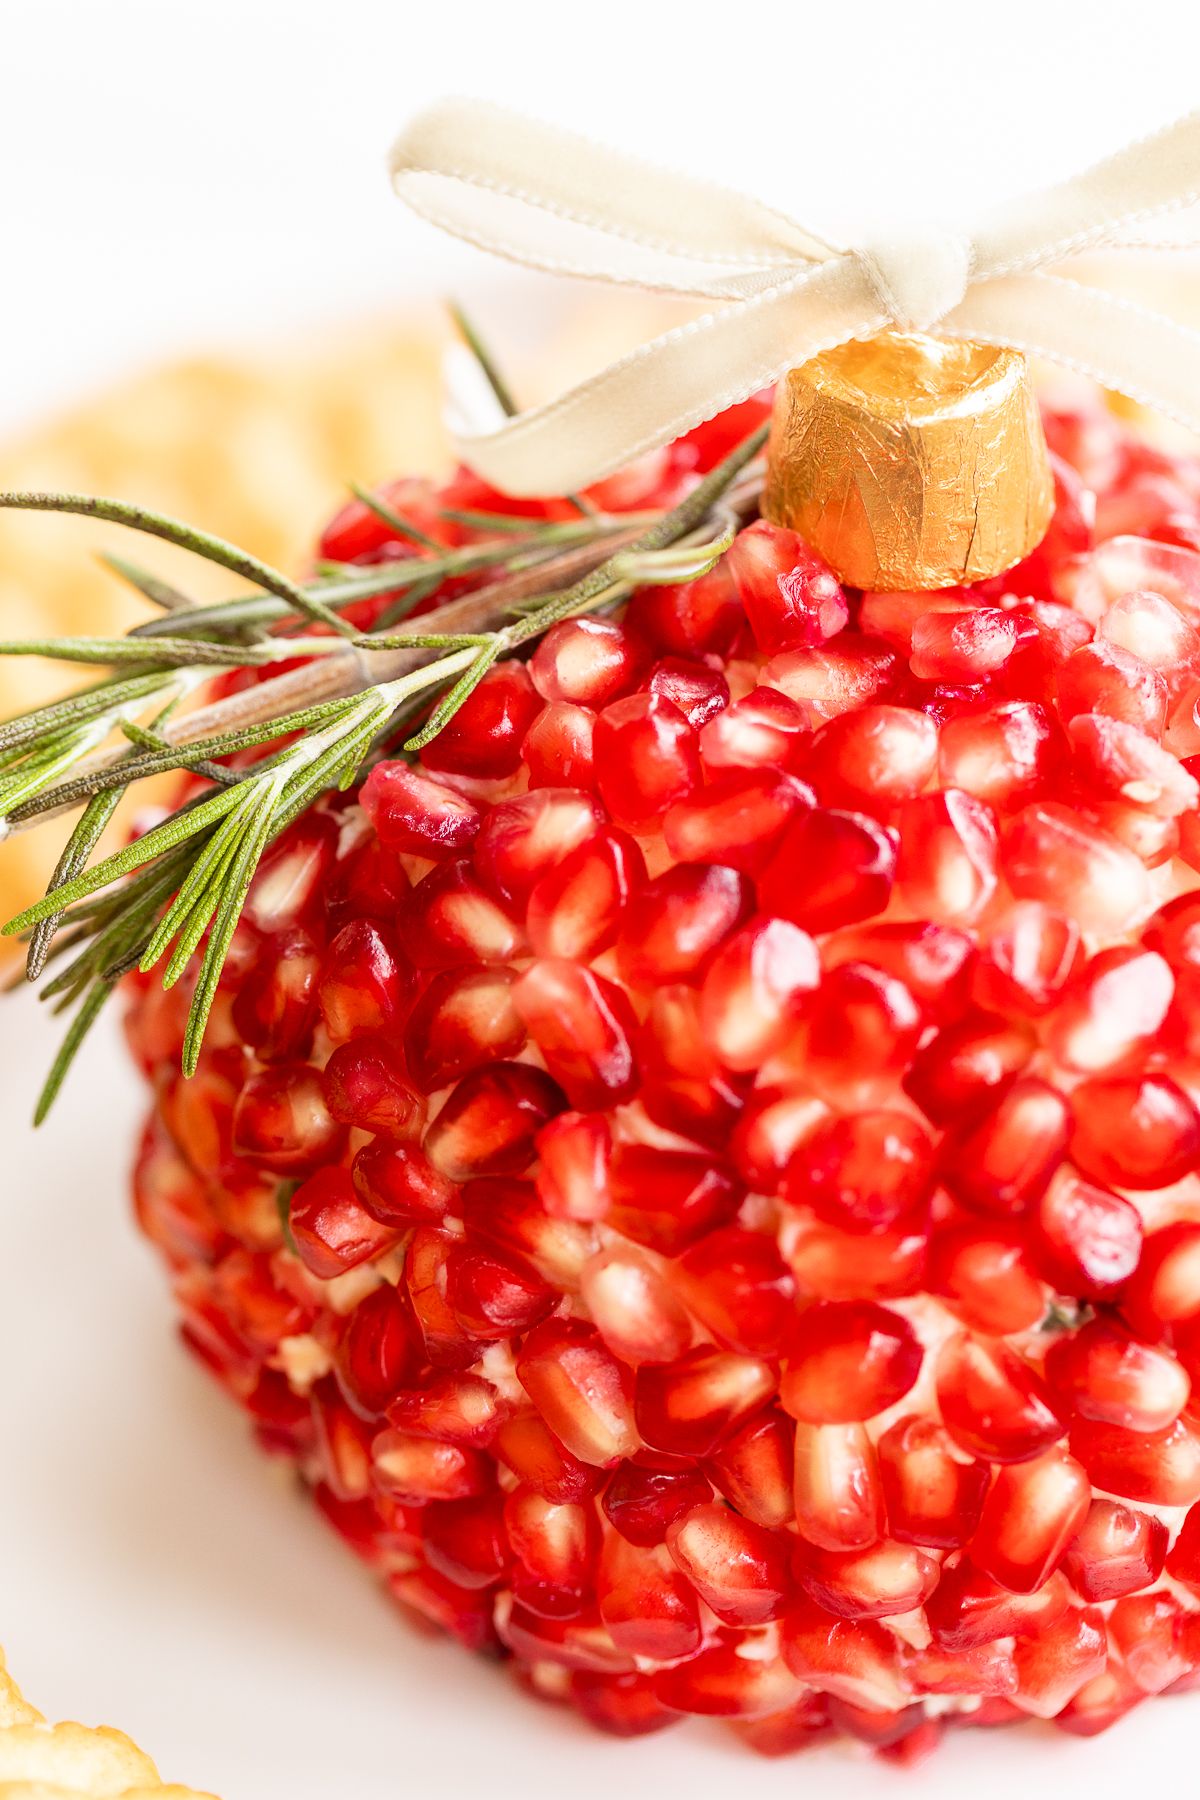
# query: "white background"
[176,175]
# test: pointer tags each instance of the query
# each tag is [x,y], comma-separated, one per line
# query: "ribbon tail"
[675,382]
[554,201]
[1116,342]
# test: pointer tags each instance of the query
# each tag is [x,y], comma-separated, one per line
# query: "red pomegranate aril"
[763,730]
[1101,677]
[948,856]
[1164,1290]
[837,1488]
[627,1705]
[736,820]
[647,757]
[558,749]
[864,1172]
[525,1445]
[484,736]
[330,1227]
[447,1343]
[1032,1512]
[365,1084]
[1054,1665]
[280,1121]
[672,925]
[932,1494]
[794,1727]
[493,1297]
[465,1540]
[634,1306]
[1089,1240]
[968,1609]
[685,1088]
[752,1468]
[1116,1551]
[342,1444]
[718,1683]
[755,989]
[575,909]
[418,1470]
[584,1395]
[770,1132]
[837,678]
[1004,756]
[700,692]
[647,1605]
[1113,1011]
[1146,1631]
[740,1289]
[1028,960]
[933,961]
[574,1158]
[874,1583]
[398,1186]
[590,661]
[435,1601]
[463,1020]
[985,1276]
[1117,760]
[459,1408]
[374,1352]
[963,646]
[1136,1131]
[830,869]
[451,919]
[875,758]
[522,840]
[1052,853]
[508,1215]
[1104,1374]
[1003,1164]
[667,1199]
[491,1119]
[859,1031]
[958,1075]
[847,1361]
[986,1671]
[691,618]
[360,985]
[416,815]
[852,1660]
[791,595]
[642,1503]
[686,1407]
[583,1026]
[293,876]
[555,1543]
[992,1403]
[740,1570]
[1147,626]
[1100,1703]
[275,1005]
[1159,1469]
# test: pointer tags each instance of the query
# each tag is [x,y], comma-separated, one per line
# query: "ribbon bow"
[558,202]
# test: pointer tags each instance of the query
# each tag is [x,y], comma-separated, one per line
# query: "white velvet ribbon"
[554,201]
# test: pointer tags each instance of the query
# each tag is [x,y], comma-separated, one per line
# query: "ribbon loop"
[558,202]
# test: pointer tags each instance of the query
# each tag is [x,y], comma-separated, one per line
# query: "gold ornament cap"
[909,462]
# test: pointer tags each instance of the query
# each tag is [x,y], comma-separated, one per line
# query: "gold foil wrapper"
[910,463]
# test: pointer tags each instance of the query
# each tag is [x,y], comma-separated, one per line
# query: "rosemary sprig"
[177,892]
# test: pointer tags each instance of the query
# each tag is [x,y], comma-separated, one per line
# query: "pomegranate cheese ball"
[699,1171]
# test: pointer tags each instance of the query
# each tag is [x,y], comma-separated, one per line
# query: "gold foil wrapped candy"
[909,462]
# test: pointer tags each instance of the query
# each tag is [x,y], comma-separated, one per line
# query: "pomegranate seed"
[752,1468]
[830,869]
[791,595]
[948,855]
[987,1670]
[398,1186]
[692,618]
[698,691]
[764,730]
[647,1605]
[1091,1239]
[527,1446]
[673,925]
[968,1609]
[558,748]
[360,984]
[281,1121]
[845,1362]
[374,1353]
[838,1492]
[524,839]
[1135,1131]
[1147,1632]
[984,1274]
[634,1306]
[590,661]
[293,875]
[623,1705]
[740,1570]
[366,1084]
[574,1157]
[647,757]
[509,1216]
[575,908]
[451,919]
[838,678]
[642,1503]
[1116,1551]
[992,1403]
[276,1005]
[933,961]
[739,1288]
[860,1030]
[1099,1703]
[418,1470]
[494,1297]
[1004,1163]
[934,1495]
[463,1020]
[874,758]
[1028,961]
[718,1683]
[489,1123]
[1004,756]
[864,1172]
[960,1073]
[556,1546]
[853,1660]
[1102,677]
[1160,1468]
[1032,1512]
[581,1391]
[1053,1666]
[583,1026]
[686,1407]
[417,815]
[1104,1374]
[886,1578]
[461,1409]
[736,820]
[667,1199]
[754,990]
[1053,854]
[484,736]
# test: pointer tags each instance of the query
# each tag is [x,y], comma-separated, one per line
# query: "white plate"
[156,1573]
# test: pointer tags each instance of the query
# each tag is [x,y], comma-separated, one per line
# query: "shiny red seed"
[647,757]
[740,1570]
[583,1394]
[1116,1551]
[673,924]
[934,1494]
[755,989]
[1137,1131]
[864,1172]
[1032,1512]
[848,1361]
[489,1123]
[414,814]
[584,1027]
[791,595]
[992,1403]
[484,736]
[830,869]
